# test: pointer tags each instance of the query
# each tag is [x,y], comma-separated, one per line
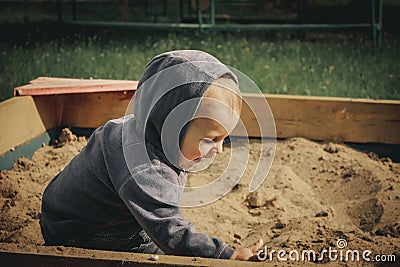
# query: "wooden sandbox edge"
[24,118]
[14,255]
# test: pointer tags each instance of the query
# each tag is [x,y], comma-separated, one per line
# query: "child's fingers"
[257,246]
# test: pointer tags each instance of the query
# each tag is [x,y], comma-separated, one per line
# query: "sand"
[315,194]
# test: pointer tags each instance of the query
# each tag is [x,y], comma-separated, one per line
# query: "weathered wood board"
[56,102]
[63,256]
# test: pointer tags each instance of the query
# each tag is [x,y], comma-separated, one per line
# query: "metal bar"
[380,23]
[373,22]
[377,24]
[212,12]
[199,15]
[133,25]
[277,27]
[218,27]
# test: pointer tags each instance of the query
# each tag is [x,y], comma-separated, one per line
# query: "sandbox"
[318,193]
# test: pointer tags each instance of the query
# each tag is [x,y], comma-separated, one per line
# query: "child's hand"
[245,254]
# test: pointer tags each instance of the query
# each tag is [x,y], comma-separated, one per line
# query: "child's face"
[216,117]
[204,139]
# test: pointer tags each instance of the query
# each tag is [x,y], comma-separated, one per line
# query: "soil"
[315,194]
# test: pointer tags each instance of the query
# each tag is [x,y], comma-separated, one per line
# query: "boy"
[122,191]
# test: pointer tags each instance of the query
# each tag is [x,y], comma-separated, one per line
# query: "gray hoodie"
[127,175]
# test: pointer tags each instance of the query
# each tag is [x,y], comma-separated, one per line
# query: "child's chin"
[196,160]
[187,164]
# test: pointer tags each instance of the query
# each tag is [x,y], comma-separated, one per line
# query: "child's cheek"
[206,149]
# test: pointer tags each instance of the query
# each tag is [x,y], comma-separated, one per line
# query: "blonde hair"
[226,91]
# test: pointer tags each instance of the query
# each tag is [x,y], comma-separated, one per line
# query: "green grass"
[321,65]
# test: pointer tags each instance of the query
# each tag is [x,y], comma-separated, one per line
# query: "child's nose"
[219,147]
[211,149]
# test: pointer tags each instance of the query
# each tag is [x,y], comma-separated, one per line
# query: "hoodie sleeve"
[153,208]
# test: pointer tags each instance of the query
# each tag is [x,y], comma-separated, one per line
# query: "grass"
[344,65]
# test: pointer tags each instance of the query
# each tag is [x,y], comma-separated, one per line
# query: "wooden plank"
[328,118]
[315,118]
[94,109]
[49,86]
[52,80]
[62,256]
[22,121]
[49,109]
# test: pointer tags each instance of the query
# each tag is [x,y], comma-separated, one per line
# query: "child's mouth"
[197,160]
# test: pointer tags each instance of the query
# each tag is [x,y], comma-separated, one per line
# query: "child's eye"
[208,141]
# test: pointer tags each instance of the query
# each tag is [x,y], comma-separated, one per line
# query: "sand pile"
[315,194]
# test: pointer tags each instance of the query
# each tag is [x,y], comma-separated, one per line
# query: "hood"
[168,95]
